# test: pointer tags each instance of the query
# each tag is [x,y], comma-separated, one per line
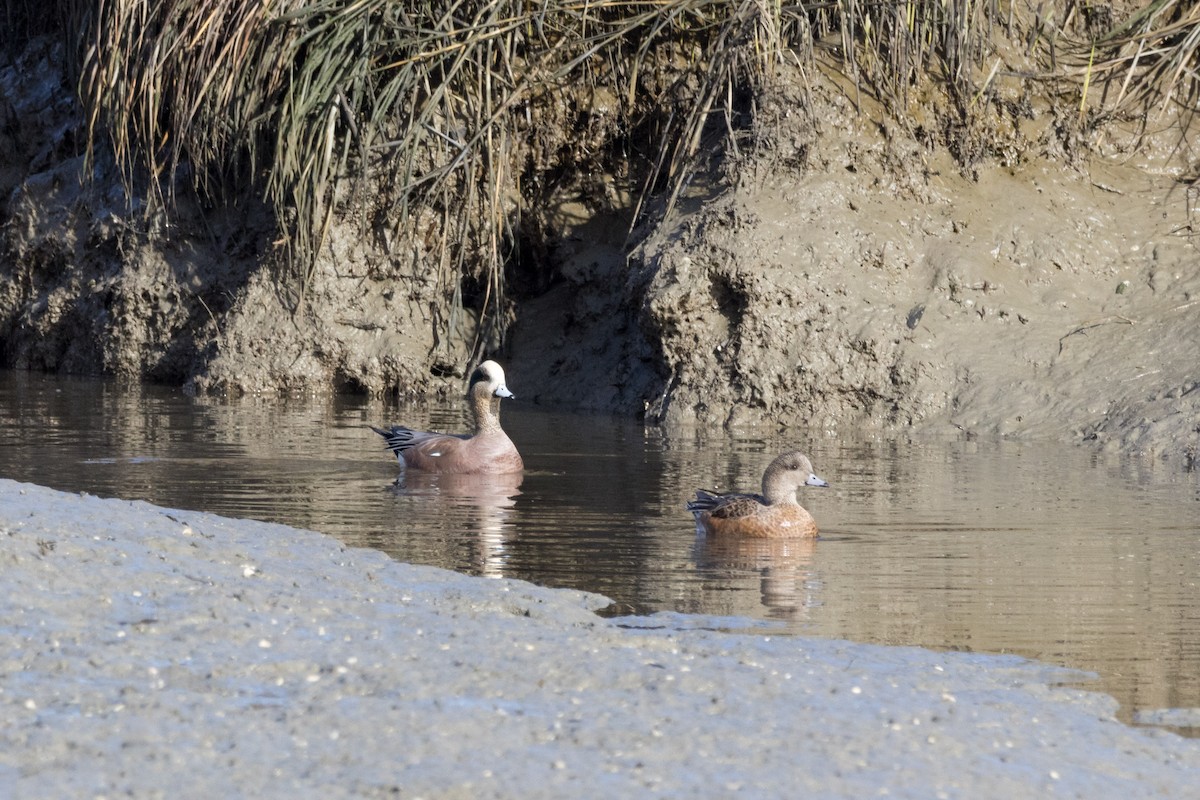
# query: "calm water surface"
[1052,552]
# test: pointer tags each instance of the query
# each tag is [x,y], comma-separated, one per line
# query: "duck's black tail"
[399,438]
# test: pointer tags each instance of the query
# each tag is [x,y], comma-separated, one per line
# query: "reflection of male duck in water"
[480,472]
[479,505]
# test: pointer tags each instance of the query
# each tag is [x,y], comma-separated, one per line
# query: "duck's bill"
[813,480]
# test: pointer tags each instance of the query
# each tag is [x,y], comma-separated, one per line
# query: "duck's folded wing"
[733,506]
[401,439]
[726,506]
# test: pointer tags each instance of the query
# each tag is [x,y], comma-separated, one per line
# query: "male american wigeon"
[487,451]
[774,514]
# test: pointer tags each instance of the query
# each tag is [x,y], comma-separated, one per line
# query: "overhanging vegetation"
[458,116]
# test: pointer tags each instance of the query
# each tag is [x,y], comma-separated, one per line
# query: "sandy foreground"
[162,653]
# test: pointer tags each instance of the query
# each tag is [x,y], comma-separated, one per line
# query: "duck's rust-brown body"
[774,514]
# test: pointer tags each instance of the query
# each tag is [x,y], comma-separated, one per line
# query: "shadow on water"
[1051,552]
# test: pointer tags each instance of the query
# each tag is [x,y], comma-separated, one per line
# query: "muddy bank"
[1038,300]
[263,660]
[839,272]
[90,284]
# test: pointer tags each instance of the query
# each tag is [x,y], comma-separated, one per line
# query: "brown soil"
[881,287]
[842,274]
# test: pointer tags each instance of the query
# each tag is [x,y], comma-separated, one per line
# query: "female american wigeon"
[487,451]
[774,514]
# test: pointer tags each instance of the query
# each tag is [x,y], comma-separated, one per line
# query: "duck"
[487,451]
[774,514]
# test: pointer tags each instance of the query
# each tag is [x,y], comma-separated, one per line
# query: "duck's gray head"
[798,463]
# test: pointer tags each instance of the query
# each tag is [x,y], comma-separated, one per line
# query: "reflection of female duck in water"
[774,514]
[787,578]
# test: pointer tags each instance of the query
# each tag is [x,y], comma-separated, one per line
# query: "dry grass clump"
[436,103]
[1148,63]
[458,110]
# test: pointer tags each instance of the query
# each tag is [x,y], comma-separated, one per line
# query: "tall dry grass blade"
[1087,80]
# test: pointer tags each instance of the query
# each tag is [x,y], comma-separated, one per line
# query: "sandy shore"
[160,653]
